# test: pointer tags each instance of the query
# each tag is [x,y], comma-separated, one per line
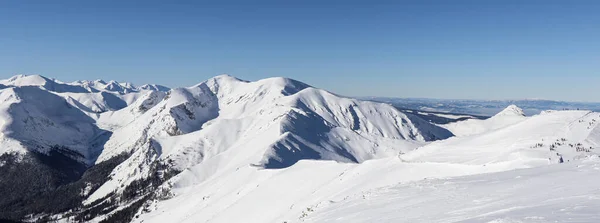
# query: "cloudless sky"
[435,49]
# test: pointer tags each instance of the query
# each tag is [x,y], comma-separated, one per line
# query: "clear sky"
[436,49]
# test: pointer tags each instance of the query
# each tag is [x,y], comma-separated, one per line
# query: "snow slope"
[40,120]
[271,123]
[510,115]
[91,96]
[248,194]
[536,139]
[278,150]
[559,193]
[317,191]
[42,114]
[295,121]
[43,82]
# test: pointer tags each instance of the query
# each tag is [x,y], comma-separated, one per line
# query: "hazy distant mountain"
[482,107]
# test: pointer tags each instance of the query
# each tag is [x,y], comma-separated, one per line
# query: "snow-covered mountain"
[322,191]
[91,96]
[510,115]
[83,86]
[293,120]
[229,150]
[223,122]
[483,107]
[35,119]
[38,113]
[532,141]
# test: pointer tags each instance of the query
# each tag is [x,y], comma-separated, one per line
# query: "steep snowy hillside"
[112,120]
[310,191]
[227,123]
[38,113]
[140,137]
[49,142]
[510,115]
[40,120]
[295,121]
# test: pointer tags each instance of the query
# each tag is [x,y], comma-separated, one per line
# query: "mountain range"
[271,150]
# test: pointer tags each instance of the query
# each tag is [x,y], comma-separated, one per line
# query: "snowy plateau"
[278,150]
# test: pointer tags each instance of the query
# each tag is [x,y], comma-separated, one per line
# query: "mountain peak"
[226,78]
[113,86]
[26,80]
[154,87]
[511,110]
[113,82]
[290,86]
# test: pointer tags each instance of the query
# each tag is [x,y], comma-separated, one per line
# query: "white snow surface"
[38,120]
[90,96]
[558,193]
[510,115]
[518,141]
[40,114]
[247,194]
[424,185]
[226,123]
[278,150]
[291,119]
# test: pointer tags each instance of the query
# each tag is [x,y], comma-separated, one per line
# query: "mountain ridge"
[271,123]
[81,86]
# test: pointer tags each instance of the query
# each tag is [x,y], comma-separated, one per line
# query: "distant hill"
[482,107]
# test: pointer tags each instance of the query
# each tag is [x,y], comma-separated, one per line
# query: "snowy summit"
[511,110]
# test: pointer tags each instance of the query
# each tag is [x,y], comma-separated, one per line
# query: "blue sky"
[436,49]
